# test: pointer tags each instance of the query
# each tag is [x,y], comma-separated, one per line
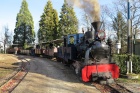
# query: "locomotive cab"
[69,49]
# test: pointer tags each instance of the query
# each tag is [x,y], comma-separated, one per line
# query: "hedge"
[121,61]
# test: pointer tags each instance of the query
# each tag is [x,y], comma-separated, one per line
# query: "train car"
[90,55]
[49,49]
[37,50]
[13,48]
[26,51]
[44,49]
[33,50]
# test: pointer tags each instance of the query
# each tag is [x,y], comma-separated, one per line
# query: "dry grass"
[126,80]
[8,64]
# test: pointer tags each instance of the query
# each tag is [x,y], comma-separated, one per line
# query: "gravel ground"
[46,76]
[134,87]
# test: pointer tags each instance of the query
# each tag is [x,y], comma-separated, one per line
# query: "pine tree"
[68,23]
[48,24]
[41,35]
[120,26]
[56,33]
[24,30]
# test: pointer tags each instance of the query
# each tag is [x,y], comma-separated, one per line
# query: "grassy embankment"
[8,64]
[124,79]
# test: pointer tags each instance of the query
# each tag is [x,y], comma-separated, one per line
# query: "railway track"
[11,84]
[111,88]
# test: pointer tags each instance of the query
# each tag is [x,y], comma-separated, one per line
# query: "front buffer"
[88,71]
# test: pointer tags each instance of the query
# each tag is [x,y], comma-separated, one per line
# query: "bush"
[121,60]
[136,64]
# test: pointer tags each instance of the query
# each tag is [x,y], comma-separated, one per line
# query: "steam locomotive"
[87,53]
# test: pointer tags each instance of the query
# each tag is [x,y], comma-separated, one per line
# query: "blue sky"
[10,8]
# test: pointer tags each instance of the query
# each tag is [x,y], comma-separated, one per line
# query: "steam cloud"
[91,7]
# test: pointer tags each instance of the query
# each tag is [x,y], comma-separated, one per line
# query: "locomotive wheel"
[110,81]
[94,78]
[103,82]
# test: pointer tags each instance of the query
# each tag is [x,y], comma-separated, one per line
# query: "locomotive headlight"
[101,35]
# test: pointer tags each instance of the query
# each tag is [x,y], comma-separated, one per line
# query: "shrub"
[136,64]
[121,60]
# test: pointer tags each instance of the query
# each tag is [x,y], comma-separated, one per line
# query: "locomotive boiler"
[89,54]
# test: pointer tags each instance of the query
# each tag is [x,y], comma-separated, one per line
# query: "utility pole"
[129,47]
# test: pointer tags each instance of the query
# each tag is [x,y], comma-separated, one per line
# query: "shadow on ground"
[48,68]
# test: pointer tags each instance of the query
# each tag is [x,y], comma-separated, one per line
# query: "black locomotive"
[89,54]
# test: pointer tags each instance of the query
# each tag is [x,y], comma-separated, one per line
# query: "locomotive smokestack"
[96,25]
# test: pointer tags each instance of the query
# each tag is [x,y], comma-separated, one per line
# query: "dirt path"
[46,76]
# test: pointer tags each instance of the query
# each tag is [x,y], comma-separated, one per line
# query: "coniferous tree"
[48,24]
[56,33]
[120,26]
[41,31]
[24,30]
[68,23]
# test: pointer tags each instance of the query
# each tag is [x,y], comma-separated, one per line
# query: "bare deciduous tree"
[121,6]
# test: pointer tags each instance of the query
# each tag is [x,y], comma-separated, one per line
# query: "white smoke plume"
[91,7]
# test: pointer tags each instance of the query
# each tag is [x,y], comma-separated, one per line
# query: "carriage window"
[71,40]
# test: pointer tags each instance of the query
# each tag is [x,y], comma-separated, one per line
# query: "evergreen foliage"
[48,24]
[24,30]
[120,26]
[56,33]
[68,23]
[25,45]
